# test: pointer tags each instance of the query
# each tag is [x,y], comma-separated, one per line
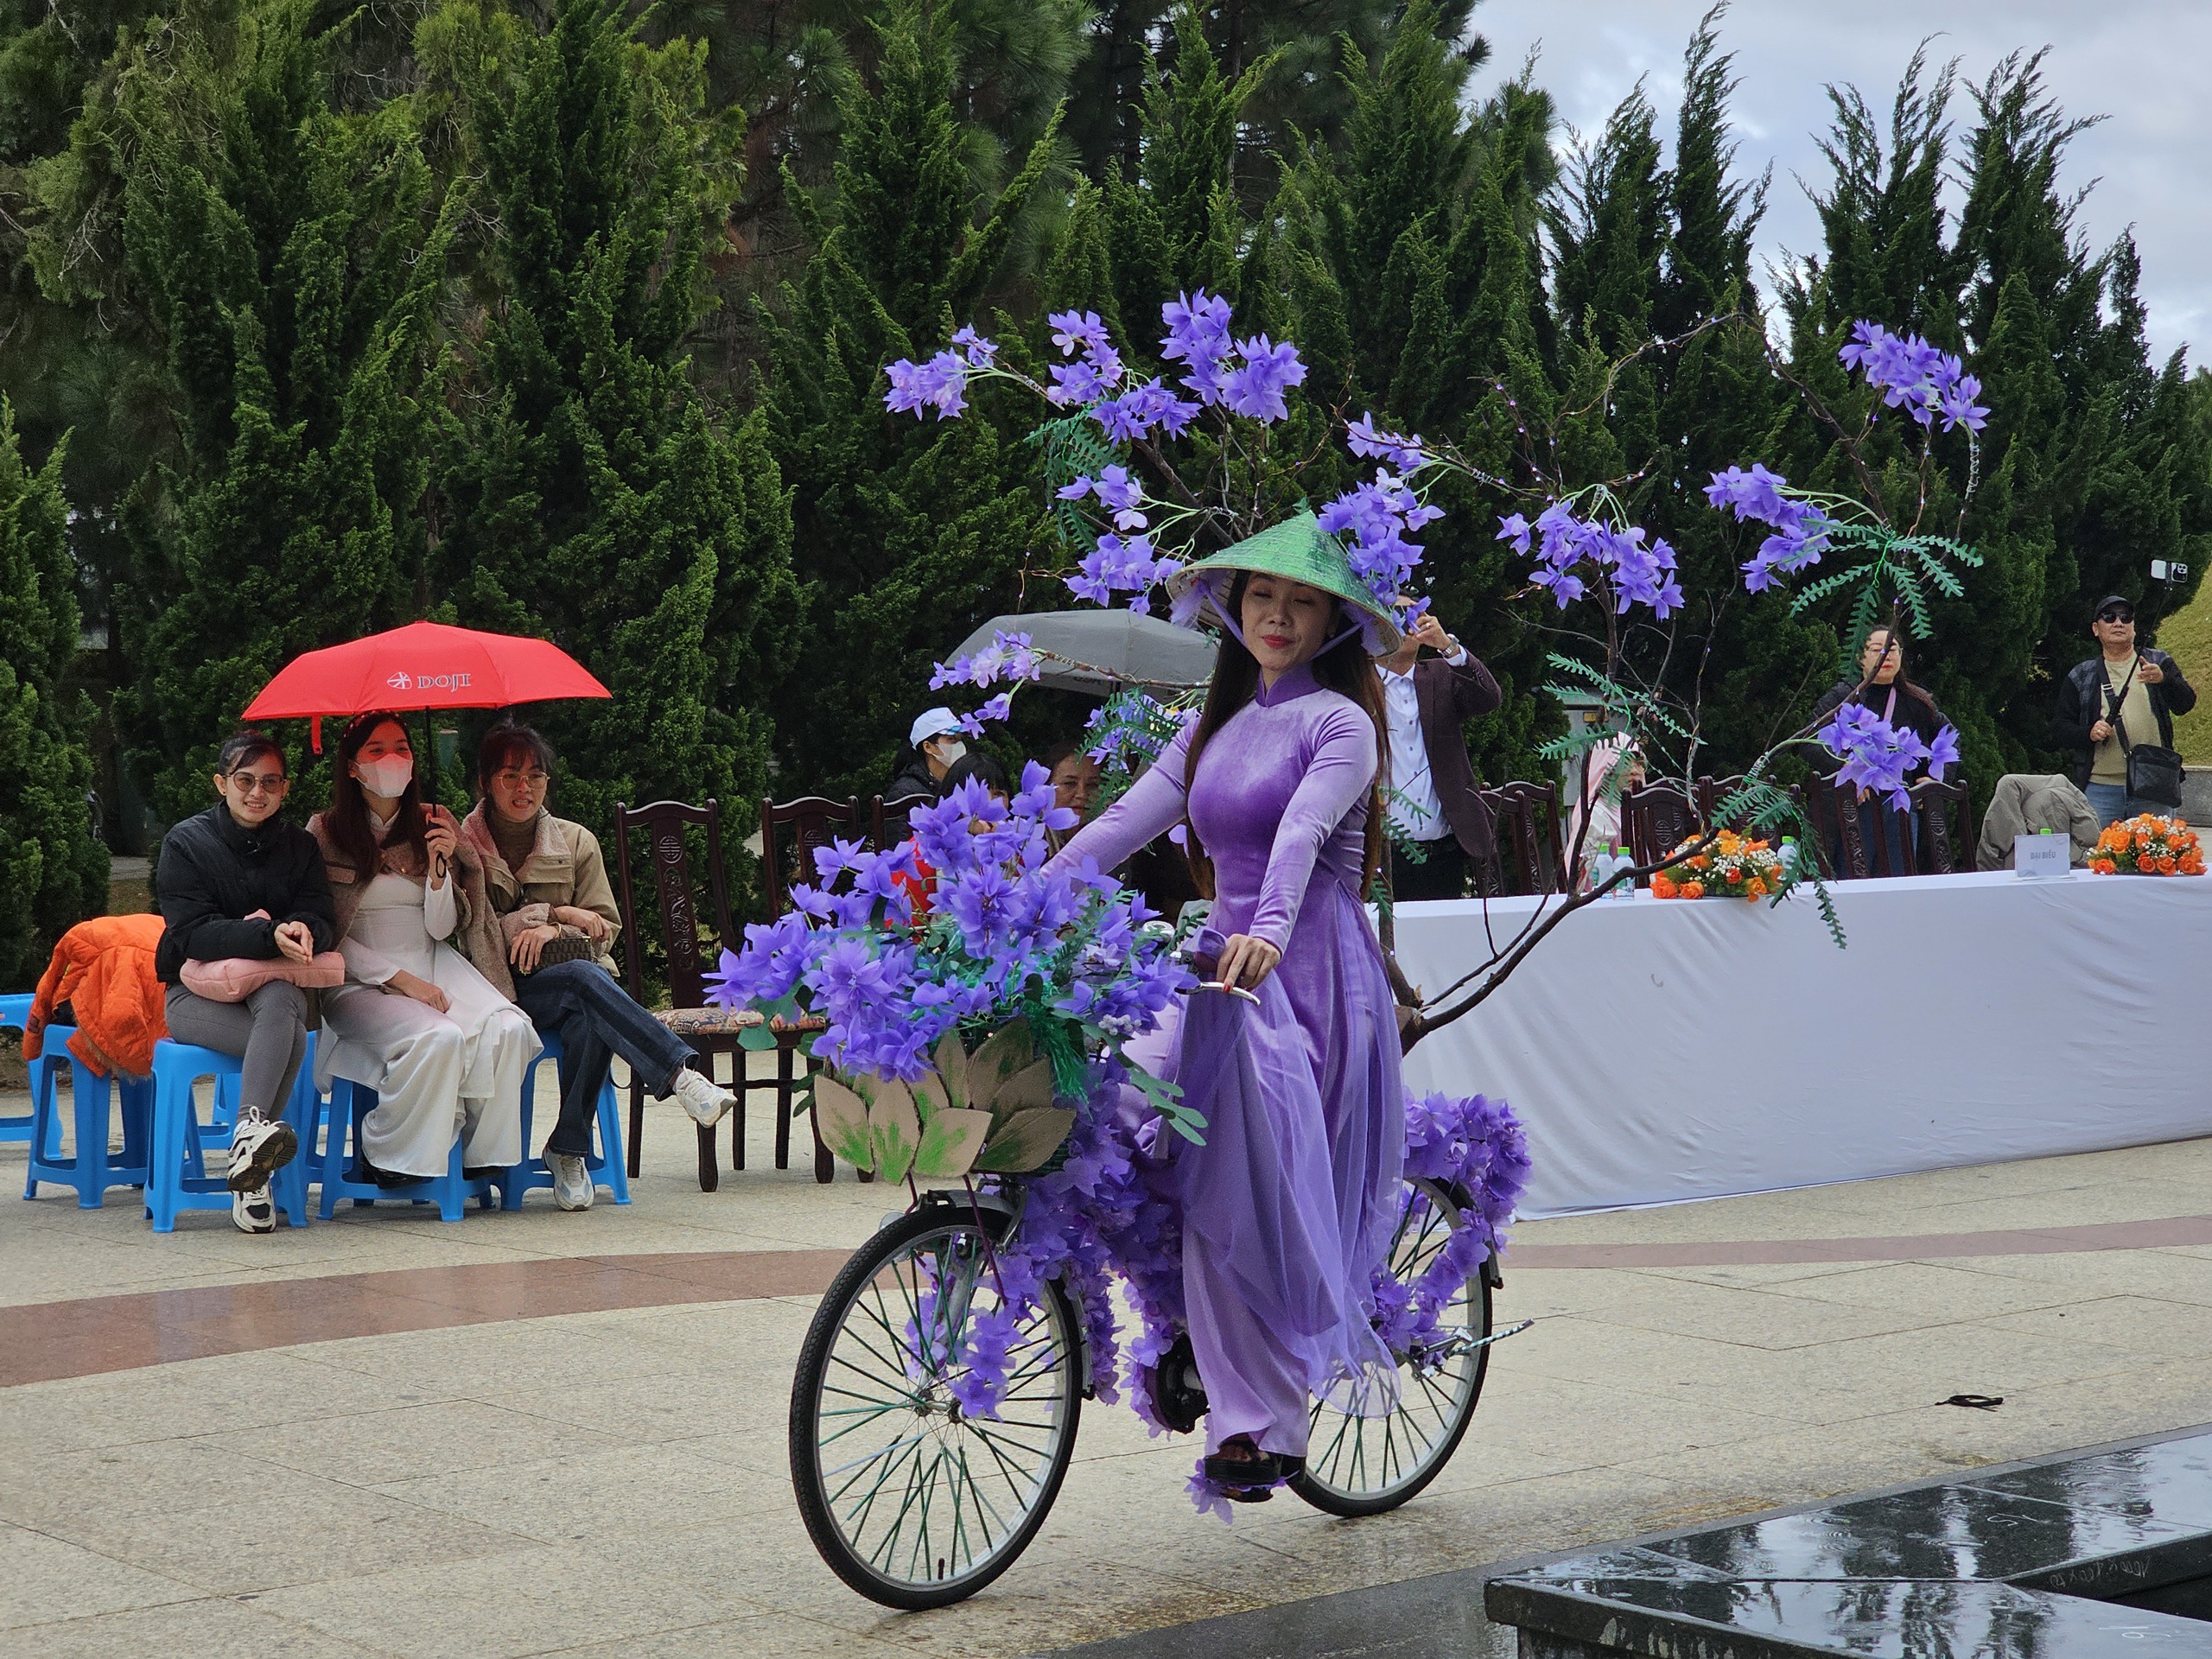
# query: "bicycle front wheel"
[910,1500]
[1363,1466]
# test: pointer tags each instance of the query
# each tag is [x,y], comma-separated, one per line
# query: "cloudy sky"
[2141,64]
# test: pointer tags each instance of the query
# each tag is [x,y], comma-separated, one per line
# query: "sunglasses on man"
[2115,615]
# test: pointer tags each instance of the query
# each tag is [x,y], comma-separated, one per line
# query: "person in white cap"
[936,742]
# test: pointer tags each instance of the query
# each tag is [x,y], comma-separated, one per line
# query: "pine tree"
[589,499]
[53,871]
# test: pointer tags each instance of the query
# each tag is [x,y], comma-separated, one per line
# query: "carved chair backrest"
[809,823]
[663,828]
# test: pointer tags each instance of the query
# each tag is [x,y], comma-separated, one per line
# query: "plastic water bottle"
[1788,856]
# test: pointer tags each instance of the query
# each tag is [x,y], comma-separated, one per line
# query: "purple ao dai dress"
[1290,1204]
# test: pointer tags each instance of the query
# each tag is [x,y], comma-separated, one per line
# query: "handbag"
[233,979]
[2154,771]
[573,945]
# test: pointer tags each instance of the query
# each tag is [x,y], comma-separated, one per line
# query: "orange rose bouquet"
[1733,866]
[2148,845]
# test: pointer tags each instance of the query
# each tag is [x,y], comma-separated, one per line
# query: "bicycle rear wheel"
[910,1501]
[1363,1466]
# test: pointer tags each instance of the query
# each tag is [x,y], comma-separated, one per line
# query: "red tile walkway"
[43,1342]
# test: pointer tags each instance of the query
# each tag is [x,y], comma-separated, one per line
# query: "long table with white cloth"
[1661,1050]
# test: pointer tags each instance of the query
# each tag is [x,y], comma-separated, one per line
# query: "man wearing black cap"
[2114,701]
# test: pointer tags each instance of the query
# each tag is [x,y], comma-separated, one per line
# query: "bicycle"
[916,1503]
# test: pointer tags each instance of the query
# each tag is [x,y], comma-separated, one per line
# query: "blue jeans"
[596,1020]
[2111,803]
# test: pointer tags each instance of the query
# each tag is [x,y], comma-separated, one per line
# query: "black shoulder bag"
[2154,773]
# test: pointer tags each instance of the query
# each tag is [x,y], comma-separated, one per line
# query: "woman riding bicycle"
[1289,1206]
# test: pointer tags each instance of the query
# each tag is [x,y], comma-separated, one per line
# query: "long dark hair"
[1343,667]
[348,819]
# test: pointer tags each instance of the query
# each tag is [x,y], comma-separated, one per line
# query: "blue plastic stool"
[15,1009]
[90,1168]
[604,1164]
[337,1161]
[177,1170]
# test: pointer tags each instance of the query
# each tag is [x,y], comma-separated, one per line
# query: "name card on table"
[2043,855]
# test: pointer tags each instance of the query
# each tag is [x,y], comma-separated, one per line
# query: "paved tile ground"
[614,1481]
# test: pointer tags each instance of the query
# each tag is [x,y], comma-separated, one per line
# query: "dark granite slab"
[2027,1563]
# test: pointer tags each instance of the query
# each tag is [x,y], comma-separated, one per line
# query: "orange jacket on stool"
[104,969]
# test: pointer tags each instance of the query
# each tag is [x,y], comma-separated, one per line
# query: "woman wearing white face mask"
[443,1046]
[935,739]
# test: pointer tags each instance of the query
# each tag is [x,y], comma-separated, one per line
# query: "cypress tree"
[589,499]
[908,535]
[53,871]
[287,259]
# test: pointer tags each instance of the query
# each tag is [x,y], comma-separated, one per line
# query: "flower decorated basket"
[1733,866]
[2148,845]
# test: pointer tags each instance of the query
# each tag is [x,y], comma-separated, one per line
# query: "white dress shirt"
[1412,805]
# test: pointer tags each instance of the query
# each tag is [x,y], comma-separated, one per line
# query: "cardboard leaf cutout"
[929,1095]
[951,1140]
[1026,1090]
[895,1129]
[841,1118]
[1026,1141]
[1005,1051]
[952,1065]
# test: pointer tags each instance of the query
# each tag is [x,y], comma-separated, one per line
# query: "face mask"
[951,751]
[388,777]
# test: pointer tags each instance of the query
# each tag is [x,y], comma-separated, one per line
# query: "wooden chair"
[1847,852]
[887,820]
[710,1031]
[1525,822]
[1657,819]
[812,821]
[1713,791]
[1946,826]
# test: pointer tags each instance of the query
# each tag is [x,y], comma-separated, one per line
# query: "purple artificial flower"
[1269,370]
[1404,454]
[940,383]
[1078,330]
[1075,382]
[1924,381]
[996,709]
[1876,756]
[979,352]
[1944,752]
[1118,492]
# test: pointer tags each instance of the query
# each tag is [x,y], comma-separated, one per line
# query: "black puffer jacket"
[213,872]
[2081,704]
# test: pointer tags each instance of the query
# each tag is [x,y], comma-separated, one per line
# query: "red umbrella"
[424,665]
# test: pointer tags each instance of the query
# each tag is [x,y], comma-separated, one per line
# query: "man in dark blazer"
[1438,823]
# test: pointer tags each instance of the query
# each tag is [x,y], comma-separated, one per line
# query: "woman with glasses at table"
[546,881]
[440,1042]
[237,881]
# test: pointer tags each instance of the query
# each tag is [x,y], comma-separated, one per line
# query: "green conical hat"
[1298,549]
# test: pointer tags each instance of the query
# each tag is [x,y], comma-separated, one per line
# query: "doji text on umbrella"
[402,681]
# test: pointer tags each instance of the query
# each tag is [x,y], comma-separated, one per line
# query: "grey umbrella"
[1098,653]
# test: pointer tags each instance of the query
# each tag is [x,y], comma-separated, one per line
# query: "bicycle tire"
[1023,1472]
[1358,1485]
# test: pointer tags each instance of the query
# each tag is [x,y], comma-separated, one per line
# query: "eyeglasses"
[507,777]
[268,783]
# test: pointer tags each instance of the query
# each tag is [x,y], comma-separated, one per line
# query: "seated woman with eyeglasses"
[440,1044]
[546,881]
[237,881]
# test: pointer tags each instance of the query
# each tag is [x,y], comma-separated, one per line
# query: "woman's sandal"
[1251,1478]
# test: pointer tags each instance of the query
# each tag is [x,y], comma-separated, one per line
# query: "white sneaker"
[572,1184]
[258,1150]
[254,1212]
[707,1101]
